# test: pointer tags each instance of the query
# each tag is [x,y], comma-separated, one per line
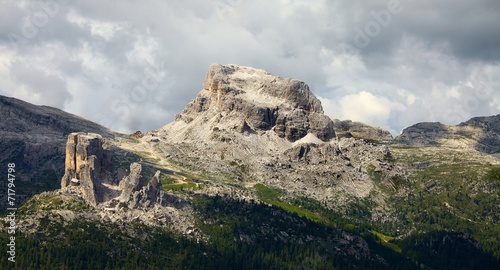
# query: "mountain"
[252,100]
[33,137]
[248,126]
[480,133]
[253,175]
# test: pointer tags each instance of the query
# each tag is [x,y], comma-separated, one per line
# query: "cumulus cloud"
[134,65]
[363,107]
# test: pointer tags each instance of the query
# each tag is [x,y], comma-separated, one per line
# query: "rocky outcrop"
[265,102]
[482,132]
[148,195]
[153,194]
[423,134]
[85,166]
[131,183]
[91,175]
[350,129]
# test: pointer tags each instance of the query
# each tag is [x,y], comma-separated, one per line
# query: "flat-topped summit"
[483,133]
[261,87]
[253,100]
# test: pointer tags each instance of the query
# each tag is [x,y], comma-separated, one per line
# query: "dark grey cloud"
[468,28]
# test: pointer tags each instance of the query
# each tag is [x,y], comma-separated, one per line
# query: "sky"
[132,65]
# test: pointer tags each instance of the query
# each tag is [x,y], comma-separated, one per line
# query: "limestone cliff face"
[131,183]
[85,164]
[264,101]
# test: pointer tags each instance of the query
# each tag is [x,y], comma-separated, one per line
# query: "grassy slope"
[452,190]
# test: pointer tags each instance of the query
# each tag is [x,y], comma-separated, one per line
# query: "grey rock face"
[263,101]
[131,182]
[489,140]
[149,195]
[485,131]
[86,165]
[423,134]
[350,129]
[153,194]
[298,123]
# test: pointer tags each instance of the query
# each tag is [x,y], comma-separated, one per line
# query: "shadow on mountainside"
[489,141]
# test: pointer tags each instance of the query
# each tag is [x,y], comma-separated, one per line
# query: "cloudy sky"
[132,65]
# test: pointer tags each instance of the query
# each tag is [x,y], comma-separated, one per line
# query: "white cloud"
[363,107]
[98,28]
[453,92]
[407,95]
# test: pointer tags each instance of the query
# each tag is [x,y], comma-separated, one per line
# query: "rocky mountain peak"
[256,101]
[259,86]
[249,126]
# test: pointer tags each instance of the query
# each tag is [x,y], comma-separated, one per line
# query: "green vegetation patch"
[49,202]
[493,175]
[387,241]
[450,191]
[183,186]
[274,196]
[316,211]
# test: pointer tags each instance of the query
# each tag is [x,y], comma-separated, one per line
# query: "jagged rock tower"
[85,160]
[89,171]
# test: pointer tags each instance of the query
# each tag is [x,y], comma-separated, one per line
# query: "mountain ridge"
[482,132]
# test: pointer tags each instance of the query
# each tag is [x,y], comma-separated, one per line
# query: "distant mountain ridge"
[483,131]
[34,136]
[25,118]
